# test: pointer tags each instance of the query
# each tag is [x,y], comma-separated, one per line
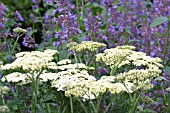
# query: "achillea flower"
[4,109]
[19,30]
[64,62]
[4,89]
[124,55]
[139,75]
[114,56]
[86,45]
[70,77]
[74,66]
[31,61]
[16,77]
[92,89]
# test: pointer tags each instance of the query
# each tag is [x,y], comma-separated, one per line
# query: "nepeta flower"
[28,41]
[49,1]
[36,1]
[3,32]
[91,24]
[18,16]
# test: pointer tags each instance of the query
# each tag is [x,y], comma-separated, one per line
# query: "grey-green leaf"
[159,20]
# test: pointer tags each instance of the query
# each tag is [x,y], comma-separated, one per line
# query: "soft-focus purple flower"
[102,71]
[3,20]
[28,41]
[91,24]
[157,104]
[18,16]
[87,38]
[35,7]
[36,1]
[154,83]
[49,1]
[56,44]
[33,17]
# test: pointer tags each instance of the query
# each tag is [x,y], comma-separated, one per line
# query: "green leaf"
[131,41]
[158,21]
[167,68]
[127,30]
[49,12]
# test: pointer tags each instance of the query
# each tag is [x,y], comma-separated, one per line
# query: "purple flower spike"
[18,16]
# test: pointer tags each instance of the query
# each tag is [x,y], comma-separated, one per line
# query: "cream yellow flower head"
[114,56]
[31,61]
[125,55]
[86,45]
[19,30]
[4,89]
[17,77]
[4,109]
[64,62]
[69,77]
[92,89]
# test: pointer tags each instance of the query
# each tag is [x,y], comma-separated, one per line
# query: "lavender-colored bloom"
[157,104]
[18,16]
[87,38]
[35,7]
[28,41]
[33,17]
[3,20]
[91,24]
[49,1]
[36,1]
[56,44]
[102,71]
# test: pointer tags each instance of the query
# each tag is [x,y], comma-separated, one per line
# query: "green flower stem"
[71,105]
[3,101]
[94,108]
[99,101]
[13,94]
[78,12]
[134,102]
[36,82]
[33,25]
[107,107]
[16,42]
[41,20]
[85,110]
[75,56]
[166,42]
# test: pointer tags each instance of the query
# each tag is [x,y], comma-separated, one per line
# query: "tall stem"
[166,42]
[16,42]
[35,93]
[78,12]
[71,105]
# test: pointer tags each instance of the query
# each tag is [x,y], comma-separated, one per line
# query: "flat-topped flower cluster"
[86,45]
[74,79]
